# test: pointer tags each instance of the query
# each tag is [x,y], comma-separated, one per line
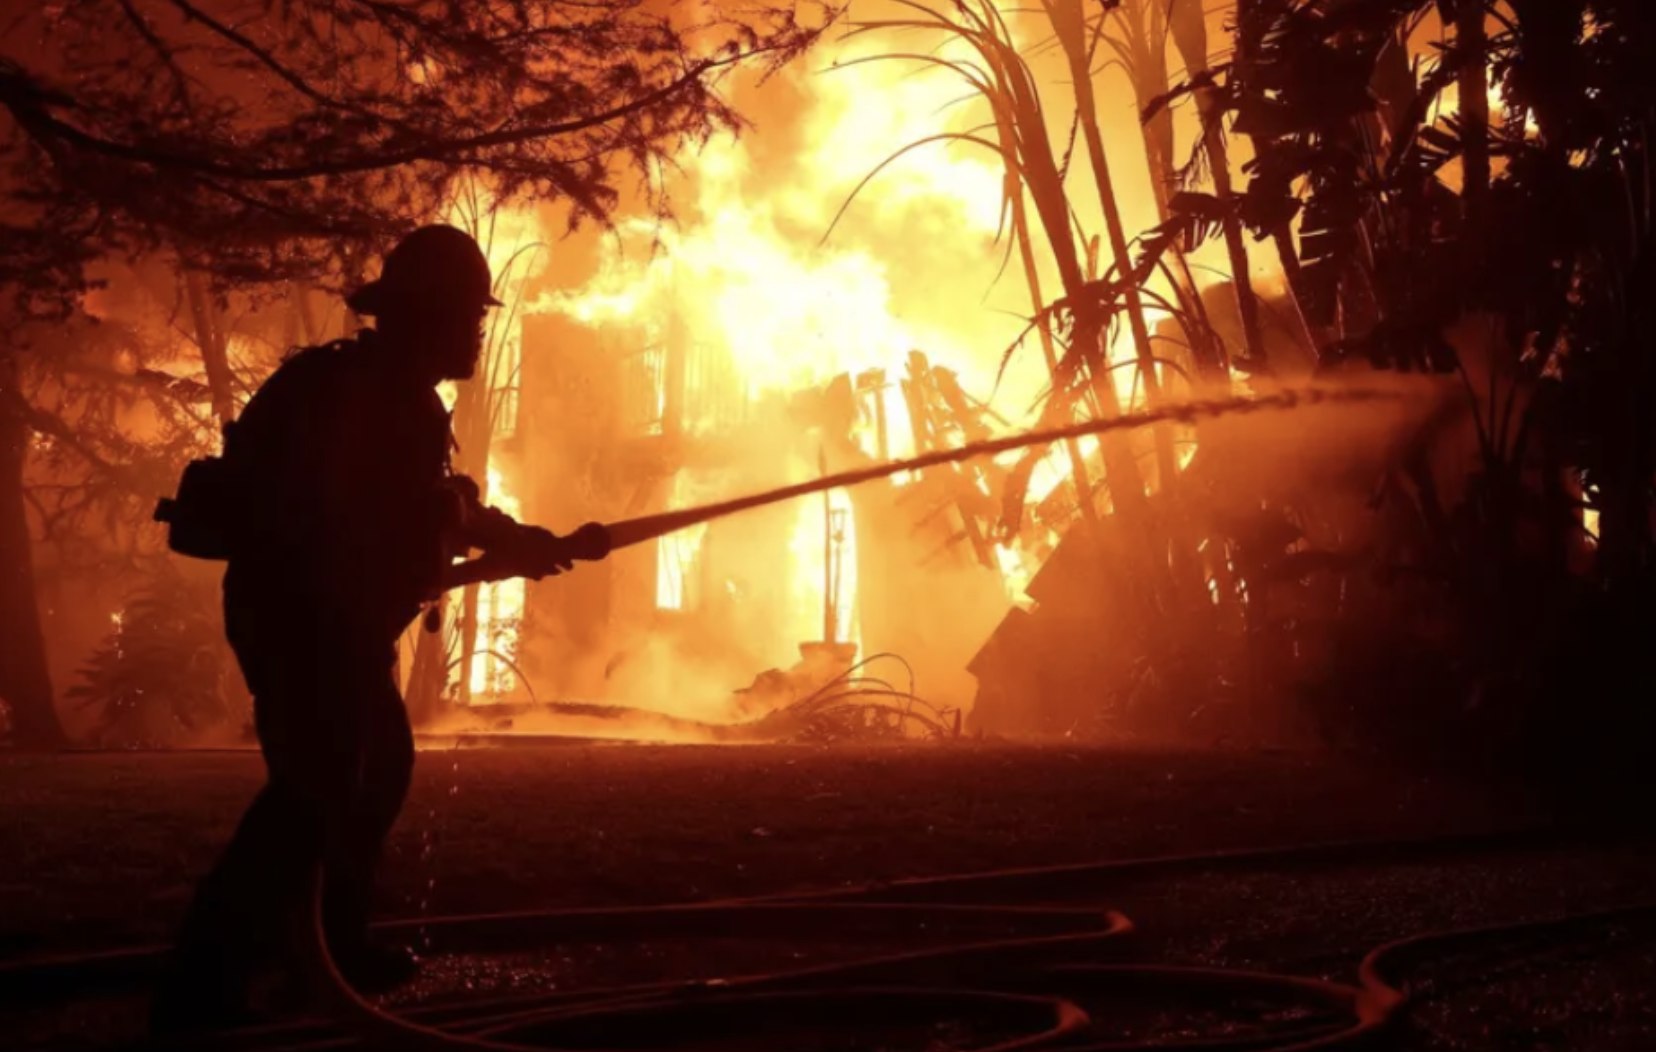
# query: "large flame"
[764,306]
[751,285]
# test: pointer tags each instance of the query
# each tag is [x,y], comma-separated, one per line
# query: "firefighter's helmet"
[432,265]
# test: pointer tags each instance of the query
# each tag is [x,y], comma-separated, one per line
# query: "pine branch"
[56,428]
[26,104]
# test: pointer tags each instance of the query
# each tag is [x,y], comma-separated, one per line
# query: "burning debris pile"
[850,706]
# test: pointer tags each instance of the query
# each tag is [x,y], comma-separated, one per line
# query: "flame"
[823,549]
[678,557]
[1448,106]
[511,237]
[865,113]
[763,288]
[500,609]
[766,302]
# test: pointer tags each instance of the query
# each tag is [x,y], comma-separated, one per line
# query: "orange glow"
[678,557]
[499,615]
[784,315]
[1449,106]
[511,238]
[762,290]
[814,578]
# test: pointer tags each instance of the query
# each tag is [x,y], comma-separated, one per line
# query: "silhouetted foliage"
[270,136]
[164,676]
[1509,247]
[1475,207]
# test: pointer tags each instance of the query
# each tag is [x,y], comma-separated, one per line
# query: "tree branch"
[266,59]
[20,96]
[181,92]
[53,427]
[299,222]
[181,389]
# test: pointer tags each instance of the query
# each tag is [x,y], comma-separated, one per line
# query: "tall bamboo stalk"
[1006,83]
[1069,23]
[1142,47]
[474,435]
[1031,159]
[1188,23]
[1043,324]
[478,412]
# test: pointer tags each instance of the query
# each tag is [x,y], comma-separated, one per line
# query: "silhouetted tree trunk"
[1043,326]
[212,340]
[25,679]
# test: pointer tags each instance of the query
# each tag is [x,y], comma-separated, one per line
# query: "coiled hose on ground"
[1014,976]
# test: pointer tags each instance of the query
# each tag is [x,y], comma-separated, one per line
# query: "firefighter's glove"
[533,552]
[542,553]
[545,554]
[591,542]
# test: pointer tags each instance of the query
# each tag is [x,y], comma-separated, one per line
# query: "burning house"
[729,352]
[736,617]
[738,349]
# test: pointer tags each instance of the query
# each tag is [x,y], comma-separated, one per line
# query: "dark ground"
[106,847]
[103,851]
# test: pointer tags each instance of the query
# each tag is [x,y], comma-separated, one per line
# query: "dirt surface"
[109,846]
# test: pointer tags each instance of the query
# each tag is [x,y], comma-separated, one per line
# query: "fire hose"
[1034,967]
[1041,975]
[593,542]
[1048,973]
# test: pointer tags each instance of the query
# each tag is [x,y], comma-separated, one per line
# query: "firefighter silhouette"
[346,521]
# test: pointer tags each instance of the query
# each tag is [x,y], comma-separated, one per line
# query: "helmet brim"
[371,299]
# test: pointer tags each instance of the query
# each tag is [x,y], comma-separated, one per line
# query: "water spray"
[594,542]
